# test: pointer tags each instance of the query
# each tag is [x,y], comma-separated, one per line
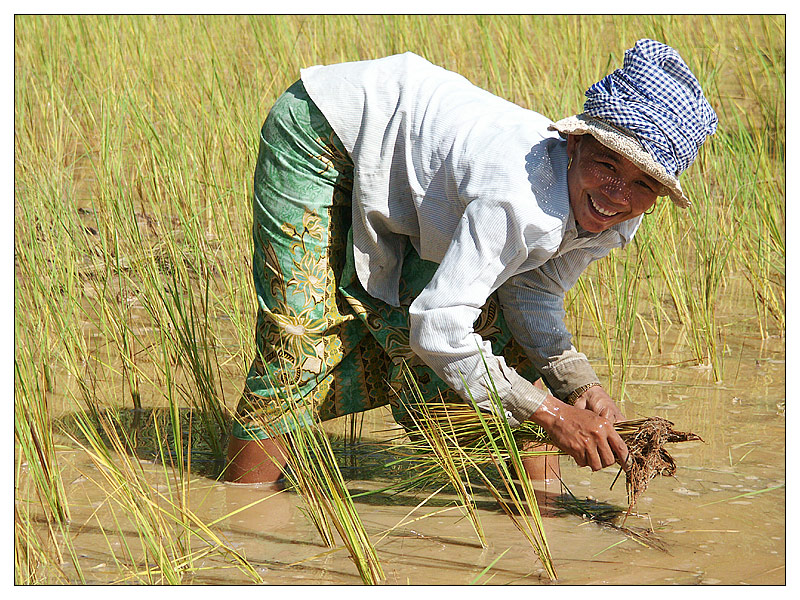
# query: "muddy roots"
[646,439]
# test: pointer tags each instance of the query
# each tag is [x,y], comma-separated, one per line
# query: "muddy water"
[720,520]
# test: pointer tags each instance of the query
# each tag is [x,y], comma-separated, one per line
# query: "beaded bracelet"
[577,392]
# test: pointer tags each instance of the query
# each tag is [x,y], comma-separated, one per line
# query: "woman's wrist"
[549,411]
[578,392]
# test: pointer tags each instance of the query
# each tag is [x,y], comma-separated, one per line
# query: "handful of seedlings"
[453,440]
[646,440]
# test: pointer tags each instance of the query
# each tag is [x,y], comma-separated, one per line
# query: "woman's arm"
[533,305]
[587,437]
[488,246]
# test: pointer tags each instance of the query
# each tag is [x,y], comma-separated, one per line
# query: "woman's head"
[605,188]
[651,111]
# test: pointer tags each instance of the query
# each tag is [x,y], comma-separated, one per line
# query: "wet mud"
[720,520]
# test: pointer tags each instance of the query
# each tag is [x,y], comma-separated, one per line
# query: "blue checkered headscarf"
[655,97]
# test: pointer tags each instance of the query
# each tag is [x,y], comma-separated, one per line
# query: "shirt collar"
[617,236]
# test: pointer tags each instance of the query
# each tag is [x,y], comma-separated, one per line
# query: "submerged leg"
[542,468]
[255,461]
[301,213]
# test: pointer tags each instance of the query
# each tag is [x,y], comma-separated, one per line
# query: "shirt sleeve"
[490,244]
[533,306]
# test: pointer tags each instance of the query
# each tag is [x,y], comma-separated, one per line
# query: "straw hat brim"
[627,145]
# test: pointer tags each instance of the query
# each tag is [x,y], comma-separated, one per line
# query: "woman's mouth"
[599,209]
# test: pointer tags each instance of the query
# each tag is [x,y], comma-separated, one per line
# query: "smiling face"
[605,188]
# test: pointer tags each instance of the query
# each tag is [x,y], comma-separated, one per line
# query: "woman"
[402,214]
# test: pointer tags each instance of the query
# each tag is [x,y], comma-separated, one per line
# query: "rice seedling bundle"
[646,440]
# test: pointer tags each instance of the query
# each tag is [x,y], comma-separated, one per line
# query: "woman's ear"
[572,143]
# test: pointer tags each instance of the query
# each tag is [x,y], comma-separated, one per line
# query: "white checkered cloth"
[657,98]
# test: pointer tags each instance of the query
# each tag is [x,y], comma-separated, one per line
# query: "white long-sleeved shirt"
[478,185]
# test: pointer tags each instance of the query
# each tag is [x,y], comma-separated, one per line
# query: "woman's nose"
[618,191]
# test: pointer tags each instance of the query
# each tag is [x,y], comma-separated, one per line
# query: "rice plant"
[439,438]
[454,441]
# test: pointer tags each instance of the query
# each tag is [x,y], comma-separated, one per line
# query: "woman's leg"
[542,468]
[310,364]
[255,461]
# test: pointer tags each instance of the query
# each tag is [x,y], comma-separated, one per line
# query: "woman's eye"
[645,185]
[607,165]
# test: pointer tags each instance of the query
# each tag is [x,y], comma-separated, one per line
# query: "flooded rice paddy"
[720,520]
[132,287]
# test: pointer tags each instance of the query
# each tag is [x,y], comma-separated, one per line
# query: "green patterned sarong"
[325,348]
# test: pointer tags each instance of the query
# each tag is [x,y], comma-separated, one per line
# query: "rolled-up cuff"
[520,398]
[567,372]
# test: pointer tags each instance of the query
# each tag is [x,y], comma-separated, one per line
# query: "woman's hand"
[587,437]
[599,402]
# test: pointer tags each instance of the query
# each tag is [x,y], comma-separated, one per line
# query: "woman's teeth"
[606,213]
